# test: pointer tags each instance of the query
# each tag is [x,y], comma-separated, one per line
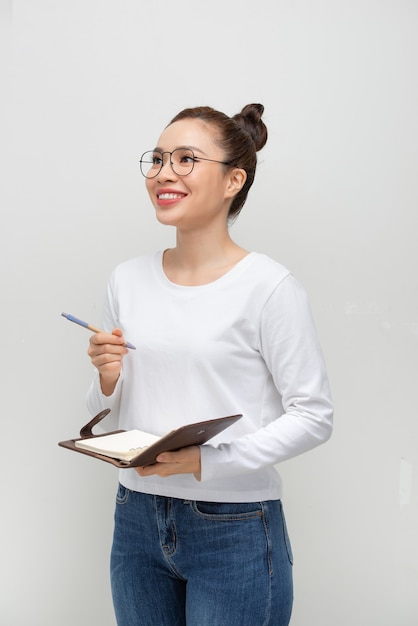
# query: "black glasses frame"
[195,159]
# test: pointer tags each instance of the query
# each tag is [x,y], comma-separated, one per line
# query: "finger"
[159,469]
[105,364]
[106,352]
[184,461]
[107,338]
[169,457]
[101,345]
[190,454]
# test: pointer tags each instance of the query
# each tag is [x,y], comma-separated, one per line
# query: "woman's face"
[201,197]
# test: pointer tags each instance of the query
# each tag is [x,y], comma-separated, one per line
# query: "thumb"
[117,332]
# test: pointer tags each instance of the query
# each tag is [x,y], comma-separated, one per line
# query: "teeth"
[168,196]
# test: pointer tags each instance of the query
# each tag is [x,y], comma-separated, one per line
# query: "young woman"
[200,536]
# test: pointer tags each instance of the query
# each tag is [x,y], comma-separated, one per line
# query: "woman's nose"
[166,172]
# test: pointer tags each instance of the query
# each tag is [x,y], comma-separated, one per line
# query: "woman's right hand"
[106,352]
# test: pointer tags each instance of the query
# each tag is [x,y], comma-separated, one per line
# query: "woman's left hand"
[184,461]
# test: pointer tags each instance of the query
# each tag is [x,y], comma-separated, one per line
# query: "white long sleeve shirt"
[245,343]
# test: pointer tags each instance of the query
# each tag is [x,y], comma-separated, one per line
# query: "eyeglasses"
[182,161]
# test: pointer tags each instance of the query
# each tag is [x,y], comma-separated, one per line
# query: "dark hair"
[240,136]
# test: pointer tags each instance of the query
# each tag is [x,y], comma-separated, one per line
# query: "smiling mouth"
[169,196]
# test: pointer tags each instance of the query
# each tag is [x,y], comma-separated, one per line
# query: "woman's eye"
[187,159]
[156,160]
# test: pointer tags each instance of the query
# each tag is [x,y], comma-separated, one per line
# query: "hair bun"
[249,119]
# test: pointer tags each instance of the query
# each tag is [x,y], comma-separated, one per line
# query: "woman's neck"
[198,260]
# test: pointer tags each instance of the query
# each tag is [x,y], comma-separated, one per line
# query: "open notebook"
[133,448]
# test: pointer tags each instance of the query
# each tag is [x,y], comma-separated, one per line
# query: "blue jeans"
[176,562]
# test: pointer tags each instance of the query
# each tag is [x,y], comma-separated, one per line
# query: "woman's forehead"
[187,132]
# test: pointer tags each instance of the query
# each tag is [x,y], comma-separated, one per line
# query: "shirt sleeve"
[290,348]
[96,401]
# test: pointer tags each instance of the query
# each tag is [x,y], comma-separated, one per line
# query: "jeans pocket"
[122,494]
[286,536]
[227,511]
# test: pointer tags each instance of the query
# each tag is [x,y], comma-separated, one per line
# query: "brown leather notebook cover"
[189,435]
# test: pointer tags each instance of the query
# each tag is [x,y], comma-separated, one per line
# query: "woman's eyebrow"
[194,148]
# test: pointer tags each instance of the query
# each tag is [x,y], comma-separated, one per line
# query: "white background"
[87,86]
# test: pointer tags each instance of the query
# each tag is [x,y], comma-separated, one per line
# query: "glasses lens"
[151,163]
[182,161]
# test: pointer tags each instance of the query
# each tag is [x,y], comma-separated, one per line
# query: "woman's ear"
[235,182]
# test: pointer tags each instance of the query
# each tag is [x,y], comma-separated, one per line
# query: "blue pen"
[94,329]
